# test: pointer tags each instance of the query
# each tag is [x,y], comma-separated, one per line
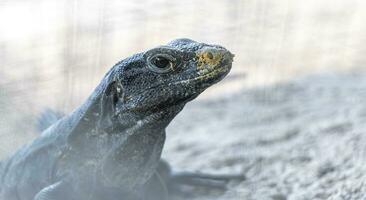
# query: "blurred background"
[54,52]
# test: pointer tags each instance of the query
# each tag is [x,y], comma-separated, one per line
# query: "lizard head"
[167,76]
[153,85]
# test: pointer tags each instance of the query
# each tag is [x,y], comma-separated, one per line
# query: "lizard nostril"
[210,55]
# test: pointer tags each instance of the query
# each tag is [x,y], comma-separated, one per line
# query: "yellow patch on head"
[208,58]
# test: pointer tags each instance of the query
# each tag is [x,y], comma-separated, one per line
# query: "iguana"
[110,146]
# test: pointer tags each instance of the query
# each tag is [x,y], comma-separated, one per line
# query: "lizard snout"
[213,57]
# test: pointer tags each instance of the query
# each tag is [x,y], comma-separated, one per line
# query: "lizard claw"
[206,181]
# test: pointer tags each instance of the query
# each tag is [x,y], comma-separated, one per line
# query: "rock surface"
[304,139]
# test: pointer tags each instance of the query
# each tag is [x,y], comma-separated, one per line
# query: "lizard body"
[110,146]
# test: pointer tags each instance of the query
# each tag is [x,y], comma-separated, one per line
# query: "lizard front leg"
[72,186]
[176,182]
[65,190]
[61,190]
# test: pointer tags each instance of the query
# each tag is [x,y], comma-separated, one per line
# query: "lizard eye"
[161,63]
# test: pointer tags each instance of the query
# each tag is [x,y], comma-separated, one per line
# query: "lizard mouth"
[210,76]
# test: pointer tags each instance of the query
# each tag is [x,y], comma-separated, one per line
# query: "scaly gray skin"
[110,147]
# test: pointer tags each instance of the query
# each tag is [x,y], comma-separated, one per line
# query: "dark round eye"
[161,63]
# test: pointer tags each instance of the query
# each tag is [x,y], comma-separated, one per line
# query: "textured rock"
[305,139]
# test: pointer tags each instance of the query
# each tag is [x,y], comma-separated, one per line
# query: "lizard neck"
[93,118]
[126,146]
[96,123]
[100,115]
